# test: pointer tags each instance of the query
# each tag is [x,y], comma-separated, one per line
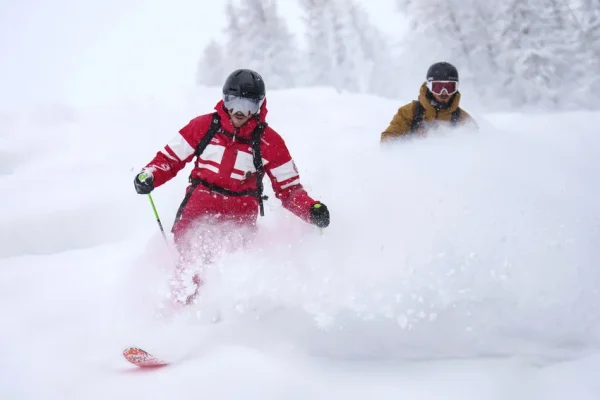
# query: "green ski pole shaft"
[142,178]
[157,217]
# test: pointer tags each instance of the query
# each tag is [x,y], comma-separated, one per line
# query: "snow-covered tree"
[589,22]
[272,48]
[563,36]
[256,37]
[318,63]
[217,60]
[537,52]
[586,63]
[235,51]
[378,63]
[437,29]
[211,68]
[481,49]
[344,50]
[522,53]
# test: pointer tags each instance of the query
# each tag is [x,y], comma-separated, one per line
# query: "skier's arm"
[400,124]
[174,156]
[285,179]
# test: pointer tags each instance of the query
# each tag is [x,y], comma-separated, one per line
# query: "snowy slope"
[464,266]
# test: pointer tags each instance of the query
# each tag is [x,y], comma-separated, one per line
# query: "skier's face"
[442,90]
[239,118]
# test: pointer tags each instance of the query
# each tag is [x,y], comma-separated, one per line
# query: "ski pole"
[142,178]
[157,218]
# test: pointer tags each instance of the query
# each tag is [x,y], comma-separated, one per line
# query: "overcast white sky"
[79,51]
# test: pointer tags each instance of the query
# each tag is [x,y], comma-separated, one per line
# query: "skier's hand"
[319,215]
[144,182]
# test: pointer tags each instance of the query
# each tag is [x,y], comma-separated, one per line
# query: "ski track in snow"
[464,266]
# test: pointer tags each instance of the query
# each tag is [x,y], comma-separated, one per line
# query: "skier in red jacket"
[233,149]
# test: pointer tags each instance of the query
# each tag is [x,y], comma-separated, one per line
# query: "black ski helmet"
[245,83]
[442,71]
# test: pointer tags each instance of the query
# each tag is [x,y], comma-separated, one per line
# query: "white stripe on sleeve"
[168,155]
[181,147]
[285,171]
[292,183]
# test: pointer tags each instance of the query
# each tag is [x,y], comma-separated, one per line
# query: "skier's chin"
[239,119]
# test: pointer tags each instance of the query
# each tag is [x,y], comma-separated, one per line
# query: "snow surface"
[464,266]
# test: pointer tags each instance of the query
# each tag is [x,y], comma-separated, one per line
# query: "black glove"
[144,182]
[319,215]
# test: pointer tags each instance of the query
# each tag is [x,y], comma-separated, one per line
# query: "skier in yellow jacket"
[438,105]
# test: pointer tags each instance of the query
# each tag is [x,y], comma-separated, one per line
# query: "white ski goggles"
[242,104]
[438,87]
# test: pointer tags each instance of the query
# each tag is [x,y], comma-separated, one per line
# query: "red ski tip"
[142,358]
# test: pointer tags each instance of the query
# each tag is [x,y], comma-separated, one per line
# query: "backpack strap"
[418,114]
[215,125]
[455,116]
[258,164]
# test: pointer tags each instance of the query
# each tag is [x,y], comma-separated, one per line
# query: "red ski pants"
[209,223]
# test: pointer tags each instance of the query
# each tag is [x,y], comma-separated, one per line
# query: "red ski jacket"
[228,163]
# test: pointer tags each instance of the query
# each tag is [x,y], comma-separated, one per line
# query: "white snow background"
[464,266]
